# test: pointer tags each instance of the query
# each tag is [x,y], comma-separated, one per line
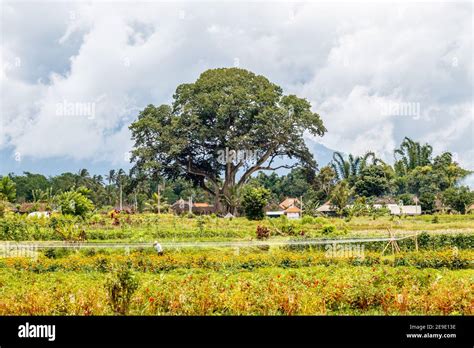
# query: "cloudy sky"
[75,74]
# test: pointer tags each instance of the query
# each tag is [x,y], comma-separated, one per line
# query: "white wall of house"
[411,209]
[396,209]
[293,215]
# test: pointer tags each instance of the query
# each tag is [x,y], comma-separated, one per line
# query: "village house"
[326,209]
[293,213]
[182,206]
[290,202]
[288,207]
[395,209]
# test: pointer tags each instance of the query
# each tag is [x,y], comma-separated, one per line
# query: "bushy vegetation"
[75,203]
[254,282]
[149,227]
[254,201]
[120,284]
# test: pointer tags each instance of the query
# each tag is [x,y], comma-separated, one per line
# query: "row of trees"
[417,177]
[115,189]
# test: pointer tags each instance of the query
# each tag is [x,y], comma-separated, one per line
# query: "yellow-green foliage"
[149,227]
[229,260]
[251,282]
[314,290]
[248,281]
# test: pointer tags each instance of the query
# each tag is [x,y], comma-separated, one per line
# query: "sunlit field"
[167,227]
[431,274]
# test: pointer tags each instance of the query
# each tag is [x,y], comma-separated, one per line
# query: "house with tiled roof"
[291,207]
[293,213]
[182,206]
[290,202]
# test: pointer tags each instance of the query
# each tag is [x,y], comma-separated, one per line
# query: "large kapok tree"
[231,109]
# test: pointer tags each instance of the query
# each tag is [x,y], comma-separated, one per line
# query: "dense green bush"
[328,229]
[74,203]
[254,199]
[15,227]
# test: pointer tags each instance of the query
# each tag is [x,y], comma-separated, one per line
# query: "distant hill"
[321,153]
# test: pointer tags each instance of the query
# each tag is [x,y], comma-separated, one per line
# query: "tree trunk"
[120,196]
[217,202]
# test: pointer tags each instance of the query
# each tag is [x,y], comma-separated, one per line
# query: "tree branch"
[256,167]
[282,166]
[203,185]
[201,173]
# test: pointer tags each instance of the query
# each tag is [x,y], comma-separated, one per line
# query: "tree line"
[416,177]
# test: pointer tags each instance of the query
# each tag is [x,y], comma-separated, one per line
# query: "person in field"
[158,247]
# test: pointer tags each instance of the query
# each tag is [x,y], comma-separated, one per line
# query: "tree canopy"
[227,109]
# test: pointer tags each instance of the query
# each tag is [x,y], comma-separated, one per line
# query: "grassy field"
[149,227]
[437,279]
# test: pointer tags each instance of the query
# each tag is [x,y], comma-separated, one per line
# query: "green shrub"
[120,286]
[289,228]
[3,207]
[200,223]
[254,199]
[320,221]
[74,203]
[14,227]
[328,229]
[55,253]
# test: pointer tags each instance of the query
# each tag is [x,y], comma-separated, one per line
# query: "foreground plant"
[120,286]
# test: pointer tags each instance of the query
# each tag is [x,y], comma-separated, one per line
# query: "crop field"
[432,274]
[149,227]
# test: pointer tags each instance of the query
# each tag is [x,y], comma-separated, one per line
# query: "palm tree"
[138,183]
[81,177]
[7,189]
[120,181]
[111,176]
[342,167]
[98,179]
[346,169]
[40,195]
[84,173]
[412,154]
